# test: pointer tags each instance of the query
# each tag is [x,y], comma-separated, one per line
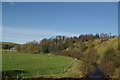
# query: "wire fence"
[68,66]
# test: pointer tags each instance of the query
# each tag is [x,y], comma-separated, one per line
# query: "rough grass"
[34,64]
[101,47]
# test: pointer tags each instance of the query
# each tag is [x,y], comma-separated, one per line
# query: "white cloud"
[24,35]
[12,3]
[36,31]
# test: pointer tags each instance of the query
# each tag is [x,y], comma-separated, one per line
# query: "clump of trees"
[7,46]
[30,47]
[62,45]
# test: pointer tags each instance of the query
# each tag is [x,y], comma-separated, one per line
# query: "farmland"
[33,64]
[38,60]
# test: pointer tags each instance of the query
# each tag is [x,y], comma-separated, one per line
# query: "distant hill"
[3,43]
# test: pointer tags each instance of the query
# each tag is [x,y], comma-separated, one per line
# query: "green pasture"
[29,64]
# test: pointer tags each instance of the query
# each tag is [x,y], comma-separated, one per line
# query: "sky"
[27,21]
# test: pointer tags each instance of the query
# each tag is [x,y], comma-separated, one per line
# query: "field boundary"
[67,67]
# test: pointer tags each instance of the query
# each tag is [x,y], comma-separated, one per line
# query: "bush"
[7,46]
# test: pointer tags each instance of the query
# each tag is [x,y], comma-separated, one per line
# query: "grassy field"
[28,64]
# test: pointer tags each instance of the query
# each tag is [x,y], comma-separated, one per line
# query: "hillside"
[107,56]
[3,43]
[77,69]
[102,46]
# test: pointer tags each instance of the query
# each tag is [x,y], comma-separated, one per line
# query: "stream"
[98,75]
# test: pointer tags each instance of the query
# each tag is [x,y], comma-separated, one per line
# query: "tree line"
[62,45]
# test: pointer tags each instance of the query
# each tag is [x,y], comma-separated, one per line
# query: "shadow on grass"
[15,75]
[12,73]
[42,78]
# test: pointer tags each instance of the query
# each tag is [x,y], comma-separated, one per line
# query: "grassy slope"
[113,42]
[101,47]
[35,64]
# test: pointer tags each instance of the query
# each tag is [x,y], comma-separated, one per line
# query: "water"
[97,75]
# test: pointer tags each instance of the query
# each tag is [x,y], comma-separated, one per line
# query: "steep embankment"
[109,48]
